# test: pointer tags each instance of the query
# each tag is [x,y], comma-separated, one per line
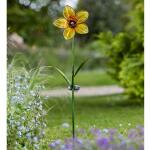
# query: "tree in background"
[32,19]
[104,15]
[125,51]
[31,32]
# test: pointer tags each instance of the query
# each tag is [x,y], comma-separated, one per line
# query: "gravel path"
[84,91]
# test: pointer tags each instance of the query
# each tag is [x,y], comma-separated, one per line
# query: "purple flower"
[69,146]
[113,131]
[52,145]
[111,140]
[132,133]
[102,142]
[131,147]
[57,142]
[96,132]
[78,141]
[122,145]
[141,147]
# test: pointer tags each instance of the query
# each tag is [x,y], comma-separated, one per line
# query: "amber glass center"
[72,23]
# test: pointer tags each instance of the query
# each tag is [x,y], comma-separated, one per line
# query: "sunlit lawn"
[84,78]
[115,111]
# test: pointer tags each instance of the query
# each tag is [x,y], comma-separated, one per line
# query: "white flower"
[19,133]
[129,124]
[28,135]
[35,139]
[105,130]
[32,93]
[65,125]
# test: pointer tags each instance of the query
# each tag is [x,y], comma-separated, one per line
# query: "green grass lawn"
[115,111]
[84,78]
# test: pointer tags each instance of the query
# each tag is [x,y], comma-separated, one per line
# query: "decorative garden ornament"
[72,23]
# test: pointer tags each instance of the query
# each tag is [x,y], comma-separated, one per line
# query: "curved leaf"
[80,66]
[63,75]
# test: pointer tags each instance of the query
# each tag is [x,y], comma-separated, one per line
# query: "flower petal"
[69,33]
[82,16]
[61,23]
[82,29]
[68,12]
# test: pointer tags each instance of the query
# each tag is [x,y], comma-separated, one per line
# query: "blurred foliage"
[45,45]
[119,22]
[125,51]
[104,15]
[58,57]
[33,20]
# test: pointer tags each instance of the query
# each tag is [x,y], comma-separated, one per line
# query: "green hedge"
[125,52]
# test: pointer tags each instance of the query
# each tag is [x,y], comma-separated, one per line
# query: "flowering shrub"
[107,139]
[25,112]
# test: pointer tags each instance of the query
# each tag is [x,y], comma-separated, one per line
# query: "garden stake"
[72,23]
[72,85]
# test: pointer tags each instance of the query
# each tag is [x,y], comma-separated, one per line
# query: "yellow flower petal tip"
[72,22]
[68,12]
[82,29]
[82,16]
[61,23]
[69,33]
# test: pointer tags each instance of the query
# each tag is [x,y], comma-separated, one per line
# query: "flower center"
[72,23]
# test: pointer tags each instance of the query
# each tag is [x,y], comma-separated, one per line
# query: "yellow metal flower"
[72,22]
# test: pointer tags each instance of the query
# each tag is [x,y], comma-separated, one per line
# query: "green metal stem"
[73,97]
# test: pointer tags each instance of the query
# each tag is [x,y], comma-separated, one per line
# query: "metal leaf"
[63,75]
[80,66]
